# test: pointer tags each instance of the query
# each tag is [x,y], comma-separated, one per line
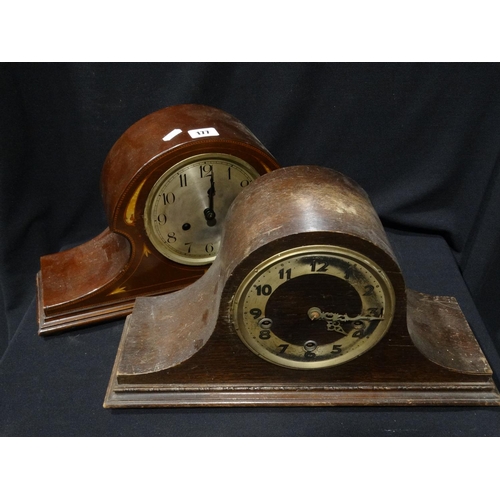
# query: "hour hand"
[209,212]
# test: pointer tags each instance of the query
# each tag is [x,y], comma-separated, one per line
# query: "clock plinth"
[185,349]
[157,182]
[394,373]
[100,280]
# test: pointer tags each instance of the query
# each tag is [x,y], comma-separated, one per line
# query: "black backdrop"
[422,139]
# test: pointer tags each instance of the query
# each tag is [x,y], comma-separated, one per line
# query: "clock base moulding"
[448,368]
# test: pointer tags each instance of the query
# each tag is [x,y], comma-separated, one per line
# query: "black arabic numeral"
[375,312]
[264,289]
[283,348]
[255,312]
[265,334]
[336,349]
[361,334]
[348,273]
[315,269]
[282,273]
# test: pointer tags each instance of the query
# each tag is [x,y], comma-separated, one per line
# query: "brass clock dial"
[313,307]
[186,207]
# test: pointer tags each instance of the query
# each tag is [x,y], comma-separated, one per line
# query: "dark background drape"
[422,139]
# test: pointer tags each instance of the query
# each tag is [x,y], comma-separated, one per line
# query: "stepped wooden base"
[100,280]
[55,324]
[394,373]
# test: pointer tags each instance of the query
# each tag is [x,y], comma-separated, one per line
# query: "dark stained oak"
[182,349]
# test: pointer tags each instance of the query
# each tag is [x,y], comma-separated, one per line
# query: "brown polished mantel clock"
[305,305]
[167,184]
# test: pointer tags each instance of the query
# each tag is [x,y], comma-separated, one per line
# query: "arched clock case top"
[166,185]
[305,305]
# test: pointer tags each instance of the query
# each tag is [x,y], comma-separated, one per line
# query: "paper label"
[202,132]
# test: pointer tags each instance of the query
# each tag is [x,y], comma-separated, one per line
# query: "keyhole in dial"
[310,345]
[265,323]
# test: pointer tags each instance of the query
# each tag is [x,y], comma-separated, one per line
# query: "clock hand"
[334,320]
[345,318]
[209,212]
[316,313]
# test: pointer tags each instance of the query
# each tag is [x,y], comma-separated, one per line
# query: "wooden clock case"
[100,279]
[182,350]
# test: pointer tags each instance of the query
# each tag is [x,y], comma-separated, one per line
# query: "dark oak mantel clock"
[305,305]
[167,184]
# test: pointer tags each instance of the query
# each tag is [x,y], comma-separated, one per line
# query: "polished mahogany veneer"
[101,279]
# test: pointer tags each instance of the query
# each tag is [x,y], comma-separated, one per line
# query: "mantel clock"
[167,184]
[305,305]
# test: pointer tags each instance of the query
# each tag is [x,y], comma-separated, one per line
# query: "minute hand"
[345,318]
[316,313]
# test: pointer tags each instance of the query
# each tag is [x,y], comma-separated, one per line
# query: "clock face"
[313,307]
[186,207]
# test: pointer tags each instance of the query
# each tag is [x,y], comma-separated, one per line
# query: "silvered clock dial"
[186,207]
